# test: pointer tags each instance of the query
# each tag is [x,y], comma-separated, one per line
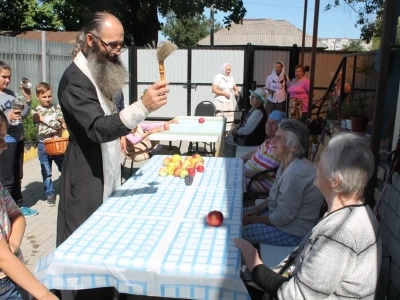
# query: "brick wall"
[390,228]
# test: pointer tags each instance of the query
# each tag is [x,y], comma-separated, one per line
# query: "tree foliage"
[186,32]
[17,16]
[354,46]
[139,17]
[370,27]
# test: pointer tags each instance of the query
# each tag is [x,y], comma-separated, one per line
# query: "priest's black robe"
[82,172]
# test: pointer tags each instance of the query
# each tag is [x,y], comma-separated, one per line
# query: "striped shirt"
[8,210]
[261,160]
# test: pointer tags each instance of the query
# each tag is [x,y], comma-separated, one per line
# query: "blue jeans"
[46,164]
[9,290]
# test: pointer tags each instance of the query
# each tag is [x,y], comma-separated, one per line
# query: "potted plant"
[345,112]
[359,119]
[30,134]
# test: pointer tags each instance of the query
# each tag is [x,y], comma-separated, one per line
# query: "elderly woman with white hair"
[294,203]
[340,258]
[250,132]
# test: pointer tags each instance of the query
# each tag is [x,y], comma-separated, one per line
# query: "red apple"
[191,172]
[201,120]
[215,218]
[166,126]
[200,169]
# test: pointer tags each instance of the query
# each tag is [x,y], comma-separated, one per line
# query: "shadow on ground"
[34,192]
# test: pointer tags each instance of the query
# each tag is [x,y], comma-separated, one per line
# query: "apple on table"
[215,218]
[163,171]
[201,120]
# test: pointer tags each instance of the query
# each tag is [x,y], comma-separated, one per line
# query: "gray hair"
[94,24]
[297,135]
[79,43]
[349,159]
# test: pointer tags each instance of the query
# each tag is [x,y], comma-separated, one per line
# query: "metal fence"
[25,59]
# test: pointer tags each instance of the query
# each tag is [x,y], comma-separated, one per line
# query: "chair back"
[205,108]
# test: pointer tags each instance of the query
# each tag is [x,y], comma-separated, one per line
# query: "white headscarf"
[281,76]
[223,75]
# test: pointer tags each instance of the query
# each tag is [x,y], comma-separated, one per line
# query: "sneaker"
[28,212]
[51,200]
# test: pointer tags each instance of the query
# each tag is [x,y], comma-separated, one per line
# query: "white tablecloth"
[151,238]
[189,129]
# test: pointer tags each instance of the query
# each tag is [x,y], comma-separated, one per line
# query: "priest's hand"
[156,95]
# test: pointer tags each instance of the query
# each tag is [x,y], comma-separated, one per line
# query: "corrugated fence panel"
[366,75]
[206,63]
[326,66]
[264,62]
[175,72]
[175,66]
[25,59]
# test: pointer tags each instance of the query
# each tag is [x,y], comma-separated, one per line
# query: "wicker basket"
[56,146]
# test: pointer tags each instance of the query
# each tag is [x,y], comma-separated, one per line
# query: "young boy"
[49,121]
[11,161]
[12,227]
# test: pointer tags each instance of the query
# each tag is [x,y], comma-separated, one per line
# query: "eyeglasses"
[112,48]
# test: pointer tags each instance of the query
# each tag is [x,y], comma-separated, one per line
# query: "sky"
[335,23]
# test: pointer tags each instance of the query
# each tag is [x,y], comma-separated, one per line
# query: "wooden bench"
[272,255]
[243,150]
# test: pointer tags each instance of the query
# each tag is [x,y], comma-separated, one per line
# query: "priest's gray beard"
[110,75]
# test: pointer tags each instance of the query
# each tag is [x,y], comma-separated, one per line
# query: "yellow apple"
[176,157]
[171,164]
[163,171]
[178,164]
[197,164]
[183,173]
[170,170]
[166,161]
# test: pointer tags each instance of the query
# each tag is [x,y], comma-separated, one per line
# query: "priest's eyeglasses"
[112,47]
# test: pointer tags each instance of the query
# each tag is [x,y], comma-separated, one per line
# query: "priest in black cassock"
[91,169]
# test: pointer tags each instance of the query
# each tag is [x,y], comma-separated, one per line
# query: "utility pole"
[212,25]
[313,57]
[303,38]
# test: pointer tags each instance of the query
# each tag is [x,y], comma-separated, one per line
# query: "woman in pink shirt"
[299,90]
[139,147]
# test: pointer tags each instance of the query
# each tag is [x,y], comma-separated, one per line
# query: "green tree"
[186,32]
[139,17]
[376,43]
[370,27]
[17,16]
[354,46]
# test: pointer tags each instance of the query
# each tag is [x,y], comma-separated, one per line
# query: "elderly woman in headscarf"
[294,203]
[225,91]
[275,87]
[263,159]
[340,258]
[251,131]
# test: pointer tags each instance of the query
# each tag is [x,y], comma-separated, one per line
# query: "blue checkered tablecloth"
[151,238]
